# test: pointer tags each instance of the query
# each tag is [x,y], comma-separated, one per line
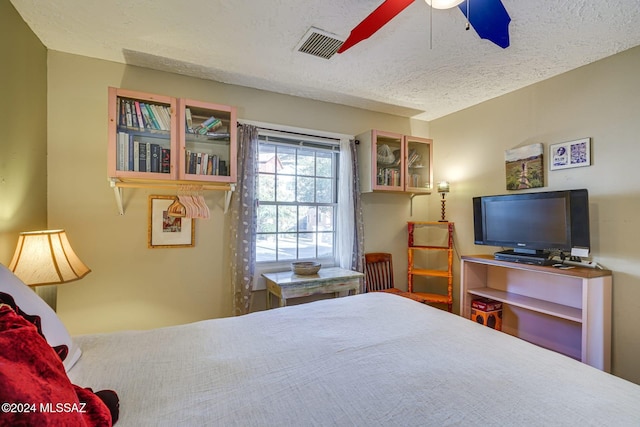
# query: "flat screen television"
[533,224]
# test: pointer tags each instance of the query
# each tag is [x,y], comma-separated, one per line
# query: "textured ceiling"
[408,68]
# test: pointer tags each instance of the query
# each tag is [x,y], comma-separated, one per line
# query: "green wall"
[23,130]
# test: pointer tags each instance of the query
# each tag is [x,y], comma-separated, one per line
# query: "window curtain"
[350,226]
[244,220]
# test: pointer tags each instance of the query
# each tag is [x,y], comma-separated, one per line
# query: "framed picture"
[166,231]
[572,154]
[524,167]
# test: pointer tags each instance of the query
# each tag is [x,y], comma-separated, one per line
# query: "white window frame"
[309,135]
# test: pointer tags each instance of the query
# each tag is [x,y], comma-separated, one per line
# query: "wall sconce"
[44,259]
[443,188]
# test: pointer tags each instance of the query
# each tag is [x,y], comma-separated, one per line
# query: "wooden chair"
[378,269]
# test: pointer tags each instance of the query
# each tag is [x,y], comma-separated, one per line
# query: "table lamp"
[443,188]
[44,259]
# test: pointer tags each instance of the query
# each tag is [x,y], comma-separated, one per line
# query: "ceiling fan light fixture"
[443,4]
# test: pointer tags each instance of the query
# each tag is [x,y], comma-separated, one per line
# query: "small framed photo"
[166,231]
[572,154]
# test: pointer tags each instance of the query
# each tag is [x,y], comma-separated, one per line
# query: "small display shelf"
[568,311]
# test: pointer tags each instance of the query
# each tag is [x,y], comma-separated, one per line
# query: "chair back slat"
[378,271]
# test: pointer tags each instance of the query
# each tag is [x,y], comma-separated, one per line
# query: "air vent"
[319,43]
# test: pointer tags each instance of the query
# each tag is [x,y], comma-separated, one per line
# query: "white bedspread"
[366,360]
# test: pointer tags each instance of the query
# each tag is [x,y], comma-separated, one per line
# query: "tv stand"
[567,311]
[535,258]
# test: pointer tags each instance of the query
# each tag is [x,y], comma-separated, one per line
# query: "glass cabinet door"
[207,142]
[388,153]
[141,135]
[418,161]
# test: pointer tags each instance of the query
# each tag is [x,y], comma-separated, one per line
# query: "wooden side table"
[286,284]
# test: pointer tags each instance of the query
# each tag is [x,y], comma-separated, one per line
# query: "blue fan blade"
[490,20]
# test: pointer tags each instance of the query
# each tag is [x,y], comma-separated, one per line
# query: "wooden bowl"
[305,268]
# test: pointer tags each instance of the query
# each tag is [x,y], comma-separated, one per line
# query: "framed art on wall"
[571,154]
[524,167]
[166,231]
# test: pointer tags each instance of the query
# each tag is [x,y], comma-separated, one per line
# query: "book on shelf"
[134,115]
[120,152]
[141,122]
[205,164]
[129,156]
[122,113]
[142,157]
[198,163]
[165,162]
[218,135]
[148,158]
[136,155]
[127,107]
[188,118]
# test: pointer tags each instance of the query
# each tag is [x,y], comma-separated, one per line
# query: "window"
[297,198]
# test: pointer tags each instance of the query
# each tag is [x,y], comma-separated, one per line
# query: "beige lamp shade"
[443,187]
[46,258]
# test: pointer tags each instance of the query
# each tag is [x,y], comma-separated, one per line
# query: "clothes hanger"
[176,209]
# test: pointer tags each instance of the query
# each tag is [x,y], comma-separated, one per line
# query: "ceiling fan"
[488,17]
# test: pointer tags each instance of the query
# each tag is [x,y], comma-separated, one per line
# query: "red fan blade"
[372,23]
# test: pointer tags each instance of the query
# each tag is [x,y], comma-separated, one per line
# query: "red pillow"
[28,304]
[35,388]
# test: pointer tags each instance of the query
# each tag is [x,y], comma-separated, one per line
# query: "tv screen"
[533,222]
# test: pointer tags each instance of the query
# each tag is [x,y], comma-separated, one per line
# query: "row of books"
[389,176]
[146,116]
[136,156]
[205,164]
[415,180]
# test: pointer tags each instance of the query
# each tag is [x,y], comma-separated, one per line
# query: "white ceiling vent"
[319,43]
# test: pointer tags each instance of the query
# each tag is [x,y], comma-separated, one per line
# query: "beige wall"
[132,287]
[601,101]
[23,131]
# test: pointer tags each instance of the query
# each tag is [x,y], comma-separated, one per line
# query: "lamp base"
[442,209]
[49,293]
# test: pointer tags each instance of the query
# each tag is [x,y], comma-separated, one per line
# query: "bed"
[373,359]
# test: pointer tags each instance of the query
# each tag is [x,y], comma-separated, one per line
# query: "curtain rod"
[292,133]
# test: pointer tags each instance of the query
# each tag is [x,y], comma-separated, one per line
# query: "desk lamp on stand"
[44,259]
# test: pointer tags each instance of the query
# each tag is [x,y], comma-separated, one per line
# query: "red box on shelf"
[486,304]
[487,312]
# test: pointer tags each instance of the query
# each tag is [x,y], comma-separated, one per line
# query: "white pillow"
[33,308]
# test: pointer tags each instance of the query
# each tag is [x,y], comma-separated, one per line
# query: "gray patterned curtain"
[243,220]
[357,262]
[350,248]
